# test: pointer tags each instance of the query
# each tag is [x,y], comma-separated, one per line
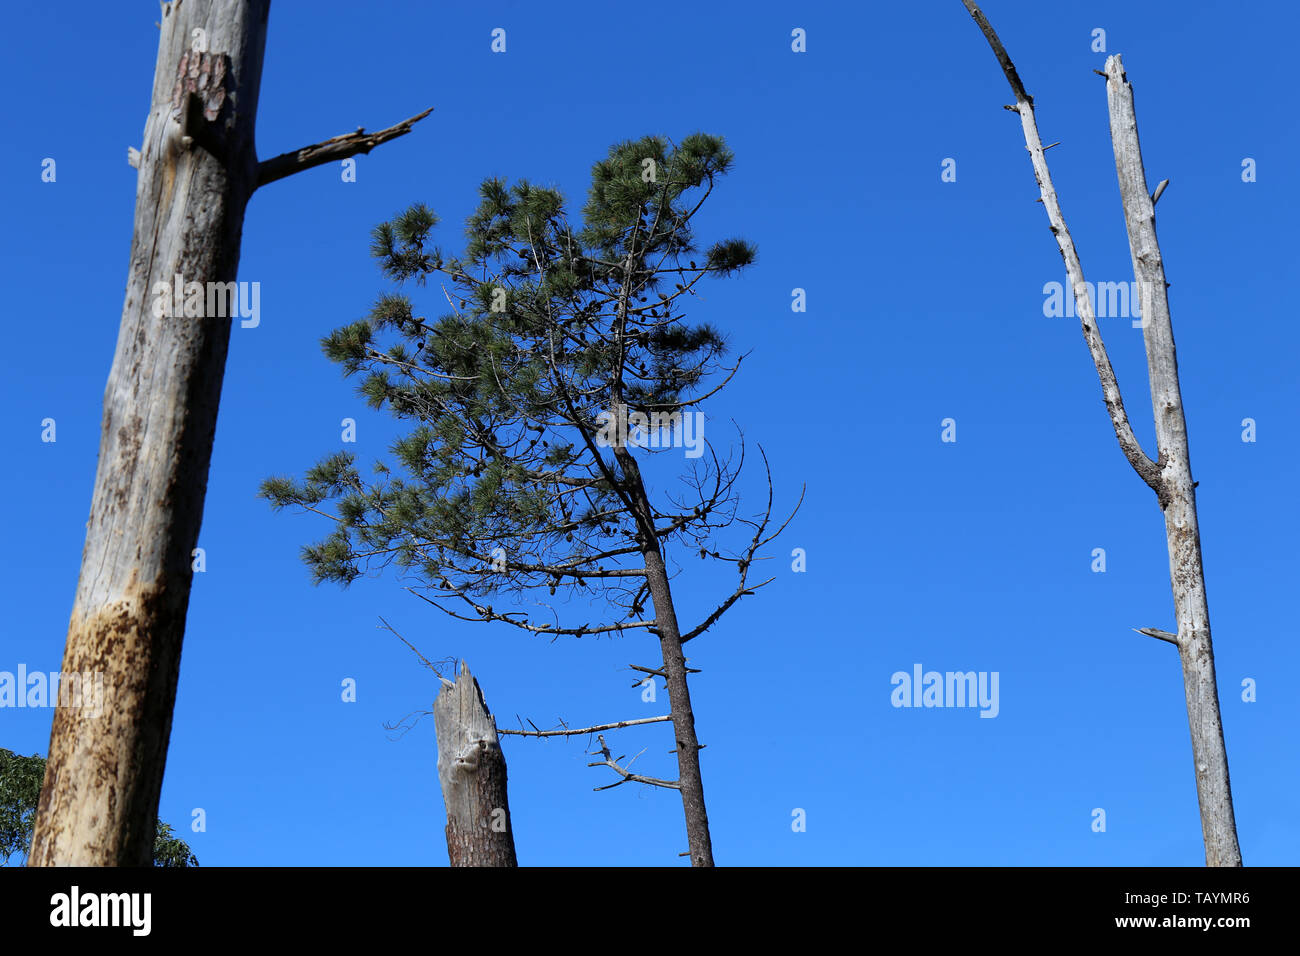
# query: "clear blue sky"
[925,302]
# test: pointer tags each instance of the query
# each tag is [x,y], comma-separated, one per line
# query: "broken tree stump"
[472,773]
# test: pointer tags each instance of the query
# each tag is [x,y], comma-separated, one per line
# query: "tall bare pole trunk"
[1170,476]
[1178,490]
[198,167]
[472,774]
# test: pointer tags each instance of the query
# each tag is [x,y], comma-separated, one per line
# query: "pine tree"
[563,362]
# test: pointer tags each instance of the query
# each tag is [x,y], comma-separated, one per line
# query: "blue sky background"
[924,302]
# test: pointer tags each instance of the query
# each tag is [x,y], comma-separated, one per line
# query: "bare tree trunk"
[690,781]
[679,701]
[103,776]
[1186,573]
[472,772]
[198,167]
[1170,476]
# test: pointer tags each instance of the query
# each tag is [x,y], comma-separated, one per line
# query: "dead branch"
[331,150]
[578,731]
[627,775]
[1148,470]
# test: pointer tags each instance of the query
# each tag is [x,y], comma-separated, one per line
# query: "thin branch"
[1000,52]
[427,663]
[743,564]
[1158,635]
[1148,470]
[331,150]
[566,732]
[627,775]
[488,613]
[657,672]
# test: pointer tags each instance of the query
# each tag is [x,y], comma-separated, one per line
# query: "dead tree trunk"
[472,772]
[1178,490]
[1170,475]
[198,167]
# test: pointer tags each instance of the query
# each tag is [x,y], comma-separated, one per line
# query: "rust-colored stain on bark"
[133,643]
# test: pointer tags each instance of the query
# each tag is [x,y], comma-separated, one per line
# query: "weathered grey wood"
[1170,476]
[197,169]
[103,775]
[1024,107]
[472,773]
[1186,571]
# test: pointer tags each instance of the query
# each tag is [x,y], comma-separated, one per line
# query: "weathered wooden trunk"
[197,169]
[472,772]
[1170,474]
[1178,490]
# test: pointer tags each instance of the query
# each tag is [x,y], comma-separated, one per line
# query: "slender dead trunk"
[1170,475]
[1186,573]
[197,169]
[472,773]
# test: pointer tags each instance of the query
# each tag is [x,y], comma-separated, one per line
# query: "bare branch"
[657,672]
[1159,635]
[1001,53]
[1148,470]
[744,563]
[627,775]
[488,613]
[427,663]
[331,150]
[577,731]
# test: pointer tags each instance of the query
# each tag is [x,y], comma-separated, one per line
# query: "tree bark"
[472,773]
[103,776]
[197,169]
[690,781]
[699,841]
[1178,490]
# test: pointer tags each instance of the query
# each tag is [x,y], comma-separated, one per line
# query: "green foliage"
[548,326]
[20,793]
[170,850]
